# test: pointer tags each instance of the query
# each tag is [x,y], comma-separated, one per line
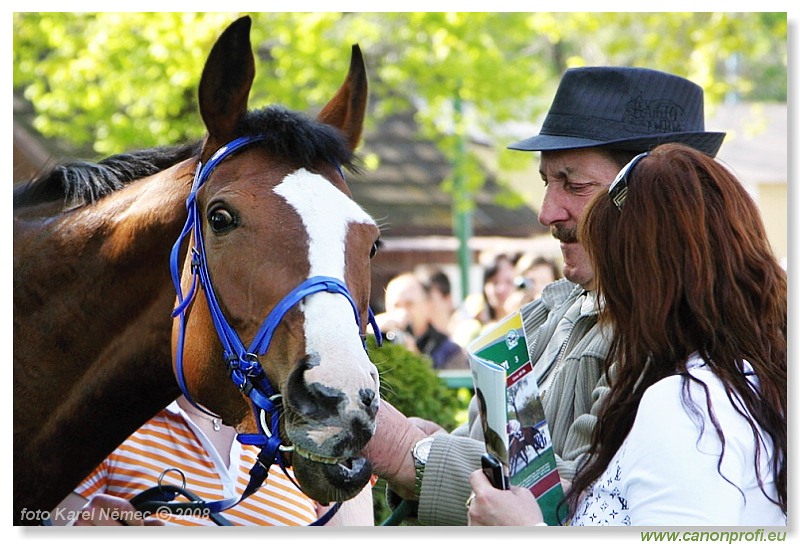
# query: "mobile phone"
[493,469]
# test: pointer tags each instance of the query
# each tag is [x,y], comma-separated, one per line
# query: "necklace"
[215,421]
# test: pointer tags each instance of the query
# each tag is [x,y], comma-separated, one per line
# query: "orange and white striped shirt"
[172,440]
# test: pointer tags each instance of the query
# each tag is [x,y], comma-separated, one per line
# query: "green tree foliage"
[116,81]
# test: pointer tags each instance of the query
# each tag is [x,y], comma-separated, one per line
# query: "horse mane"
[80,183]
[297,138]
[291,135]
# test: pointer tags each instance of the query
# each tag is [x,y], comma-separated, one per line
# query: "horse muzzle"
[328,427]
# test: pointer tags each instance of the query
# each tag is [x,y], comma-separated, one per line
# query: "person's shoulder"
[553,295]
[663,391]
[668,393]
[455,357]
[661,420]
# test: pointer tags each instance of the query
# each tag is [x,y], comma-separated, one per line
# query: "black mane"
[78,183]
[297,138]
[289,135]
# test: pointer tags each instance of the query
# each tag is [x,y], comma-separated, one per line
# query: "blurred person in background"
[407,321]
[439,295]
[482,310]
[534,273]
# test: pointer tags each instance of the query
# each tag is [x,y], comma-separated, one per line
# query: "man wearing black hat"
[600,118]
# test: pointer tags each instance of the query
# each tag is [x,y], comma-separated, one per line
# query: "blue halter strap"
[244,367]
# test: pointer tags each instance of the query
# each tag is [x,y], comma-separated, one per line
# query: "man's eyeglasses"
[618,190]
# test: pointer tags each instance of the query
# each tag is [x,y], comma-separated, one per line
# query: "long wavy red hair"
[685,266]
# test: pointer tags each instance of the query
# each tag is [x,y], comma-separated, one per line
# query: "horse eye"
[375,247]
[221,219]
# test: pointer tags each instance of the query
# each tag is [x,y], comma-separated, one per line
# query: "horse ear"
[346,110]
[226,81]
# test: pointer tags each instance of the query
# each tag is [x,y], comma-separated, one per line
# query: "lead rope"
[155,499]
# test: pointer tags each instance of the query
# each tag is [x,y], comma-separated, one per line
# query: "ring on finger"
[470,499]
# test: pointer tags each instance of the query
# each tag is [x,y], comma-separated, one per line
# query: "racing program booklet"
[512,416]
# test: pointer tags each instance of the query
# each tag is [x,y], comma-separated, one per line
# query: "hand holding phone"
[493,469]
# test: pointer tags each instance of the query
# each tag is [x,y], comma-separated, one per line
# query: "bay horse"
[97,351]
[520,442]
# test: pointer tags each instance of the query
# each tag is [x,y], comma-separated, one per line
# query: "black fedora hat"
[623,108]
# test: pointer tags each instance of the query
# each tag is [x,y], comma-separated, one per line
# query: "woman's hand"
[516,506]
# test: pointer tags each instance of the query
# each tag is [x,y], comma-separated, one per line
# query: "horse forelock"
[80,183]
[295,137]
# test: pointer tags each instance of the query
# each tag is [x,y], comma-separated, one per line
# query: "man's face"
[571,178]
[407,303]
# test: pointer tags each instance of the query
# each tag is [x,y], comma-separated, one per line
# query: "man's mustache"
[565,234]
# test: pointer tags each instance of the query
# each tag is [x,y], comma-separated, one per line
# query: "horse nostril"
[368,400]
[361,433]
[311,399]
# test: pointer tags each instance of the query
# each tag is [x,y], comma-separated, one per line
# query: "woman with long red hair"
[693,431]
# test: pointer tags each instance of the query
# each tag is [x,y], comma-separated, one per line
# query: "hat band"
[603,129]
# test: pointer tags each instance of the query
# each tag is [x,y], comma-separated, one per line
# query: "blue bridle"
[242,362]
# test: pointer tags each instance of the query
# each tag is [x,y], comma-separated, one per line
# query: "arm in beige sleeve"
[445,483]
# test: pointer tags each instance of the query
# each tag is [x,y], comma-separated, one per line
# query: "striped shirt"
[172,440]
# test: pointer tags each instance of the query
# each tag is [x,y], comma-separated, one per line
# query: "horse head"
[279,255]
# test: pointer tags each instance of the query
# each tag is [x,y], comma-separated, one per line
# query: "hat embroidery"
[658,116]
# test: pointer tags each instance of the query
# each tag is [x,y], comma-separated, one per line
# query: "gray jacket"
[570,404]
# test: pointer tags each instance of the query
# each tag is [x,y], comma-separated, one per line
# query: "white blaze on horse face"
[330,327]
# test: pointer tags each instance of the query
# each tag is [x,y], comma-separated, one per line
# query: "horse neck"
[85,276]
[92,329]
